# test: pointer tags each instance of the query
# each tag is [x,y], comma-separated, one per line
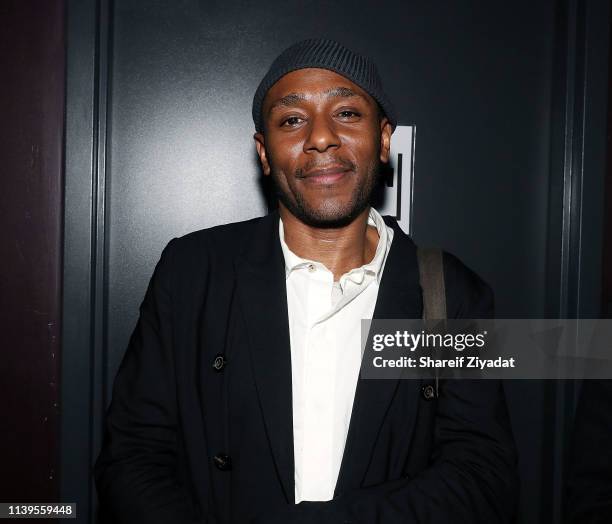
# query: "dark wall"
[606,296]
[159,140]
[32,63]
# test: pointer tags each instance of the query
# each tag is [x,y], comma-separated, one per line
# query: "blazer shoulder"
[224,241]
[467,294]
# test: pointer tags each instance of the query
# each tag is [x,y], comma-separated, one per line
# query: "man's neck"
[339,249]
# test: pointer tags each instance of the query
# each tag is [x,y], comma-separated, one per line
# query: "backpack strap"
[431,278]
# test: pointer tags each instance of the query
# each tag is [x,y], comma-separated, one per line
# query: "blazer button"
[223,462]
[428,392]
[219,362]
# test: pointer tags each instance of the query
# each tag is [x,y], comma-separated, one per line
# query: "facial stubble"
[327,216]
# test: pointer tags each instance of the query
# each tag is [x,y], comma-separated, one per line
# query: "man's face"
[322,143]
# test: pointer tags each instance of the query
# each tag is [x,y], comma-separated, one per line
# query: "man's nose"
[322,135]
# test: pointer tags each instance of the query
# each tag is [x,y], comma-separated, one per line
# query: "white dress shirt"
[325,333]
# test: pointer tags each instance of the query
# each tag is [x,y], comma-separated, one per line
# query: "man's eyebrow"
[293,99]
[344,92]
[288,100]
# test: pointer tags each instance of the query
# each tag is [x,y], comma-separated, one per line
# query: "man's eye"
[292,121]
[348,114]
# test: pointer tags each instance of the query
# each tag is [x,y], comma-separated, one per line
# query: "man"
[239,398]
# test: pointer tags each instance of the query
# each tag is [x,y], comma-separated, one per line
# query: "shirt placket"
[319,391]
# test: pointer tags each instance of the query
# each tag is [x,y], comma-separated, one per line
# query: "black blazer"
[189,440]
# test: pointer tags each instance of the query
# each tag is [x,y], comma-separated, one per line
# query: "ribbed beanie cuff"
[323,54]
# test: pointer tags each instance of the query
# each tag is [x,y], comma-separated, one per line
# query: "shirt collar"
[374,267]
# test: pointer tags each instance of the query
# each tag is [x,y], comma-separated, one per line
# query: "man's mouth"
[326,175]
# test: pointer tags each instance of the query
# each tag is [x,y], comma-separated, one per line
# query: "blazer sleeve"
[136,471]
[472,477]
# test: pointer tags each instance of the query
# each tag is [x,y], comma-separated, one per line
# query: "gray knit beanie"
[324,54]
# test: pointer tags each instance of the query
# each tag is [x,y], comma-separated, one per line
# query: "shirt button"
[223,462]
[219,362]
[311,268]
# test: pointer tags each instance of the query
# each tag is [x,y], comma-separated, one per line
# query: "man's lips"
[326,175]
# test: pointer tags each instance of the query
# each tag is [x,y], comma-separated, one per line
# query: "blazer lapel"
[399,296]
[262,292]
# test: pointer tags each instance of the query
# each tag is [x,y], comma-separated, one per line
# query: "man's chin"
[327,219]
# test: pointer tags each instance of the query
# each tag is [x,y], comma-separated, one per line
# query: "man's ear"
[386,129]
[261,151]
